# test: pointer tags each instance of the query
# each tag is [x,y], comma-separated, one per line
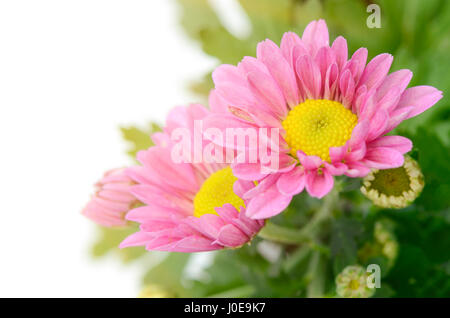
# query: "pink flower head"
[189,207]
[112,199]
[333,113]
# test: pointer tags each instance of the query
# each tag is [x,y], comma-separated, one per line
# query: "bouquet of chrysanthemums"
[295,174]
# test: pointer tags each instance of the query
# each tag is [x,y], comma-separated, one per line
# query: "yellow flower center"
[316,125]
[354,284]
[215,192]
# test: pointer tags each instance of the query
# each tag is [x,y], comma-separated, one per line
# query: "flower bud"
[394,188]
[112,199]
[352,283]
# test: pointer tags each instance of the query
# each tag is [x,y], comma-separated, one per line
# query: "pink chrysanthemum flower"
[112,199]
[189,207]
[333,113]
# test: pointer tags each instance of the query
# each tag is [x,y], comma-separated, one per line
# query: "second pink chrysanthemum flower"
[333,113]
[187,207]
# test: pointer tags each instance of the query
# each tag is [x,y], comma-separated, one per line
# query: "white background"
[71,72]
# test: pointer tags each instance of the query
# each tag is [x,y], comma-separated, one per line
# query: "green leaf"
[433,160]
[415,276]
[343,243]
[222,276]
[108,242]
[139,138]
[169,273]
[385,291]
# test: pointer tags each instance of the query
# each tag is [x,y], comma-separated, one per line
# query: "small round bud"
[394,188]
[352,283]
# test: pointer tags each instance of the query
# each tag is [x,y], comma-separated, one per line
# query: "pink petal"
[280,69]
[316,35]
[309,162]
[179,175]
[396,117]
[390,100]
[263,186]
[368,106]
[178,117]
[159,226]
[210,225]
[227,212]
[267,204]
[357,63]
[376,71]
[217,103]
[356,153]
[398,79]
[378,124]
[238,96]
[222,122]
[161,139]
[359,134]
[231,236]
[337,154]
[136,239]
[149,194]
[324,58]
[359,98]
[285,163]
[309,75]
[196,111]
[335,169]
[340,50]
[228,73]
[292,183]
[104,216]
[420,97]
[141,174]
[330,83]
[250,64]
[399,143]
[267,91]
[357,170]
[190,244]
[248,171]
[319,184]
[153,212]
[383,158]
[289,41]
[240,187]
[347,88]
[248,226]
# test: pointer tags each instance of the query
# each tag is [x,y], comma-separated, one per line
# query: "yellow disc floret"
[316,125]
[215,192]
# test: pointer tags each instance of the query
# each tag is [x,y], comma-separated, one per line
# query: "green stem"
[316,276]
[323,213]
[281,234]
[296,257]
